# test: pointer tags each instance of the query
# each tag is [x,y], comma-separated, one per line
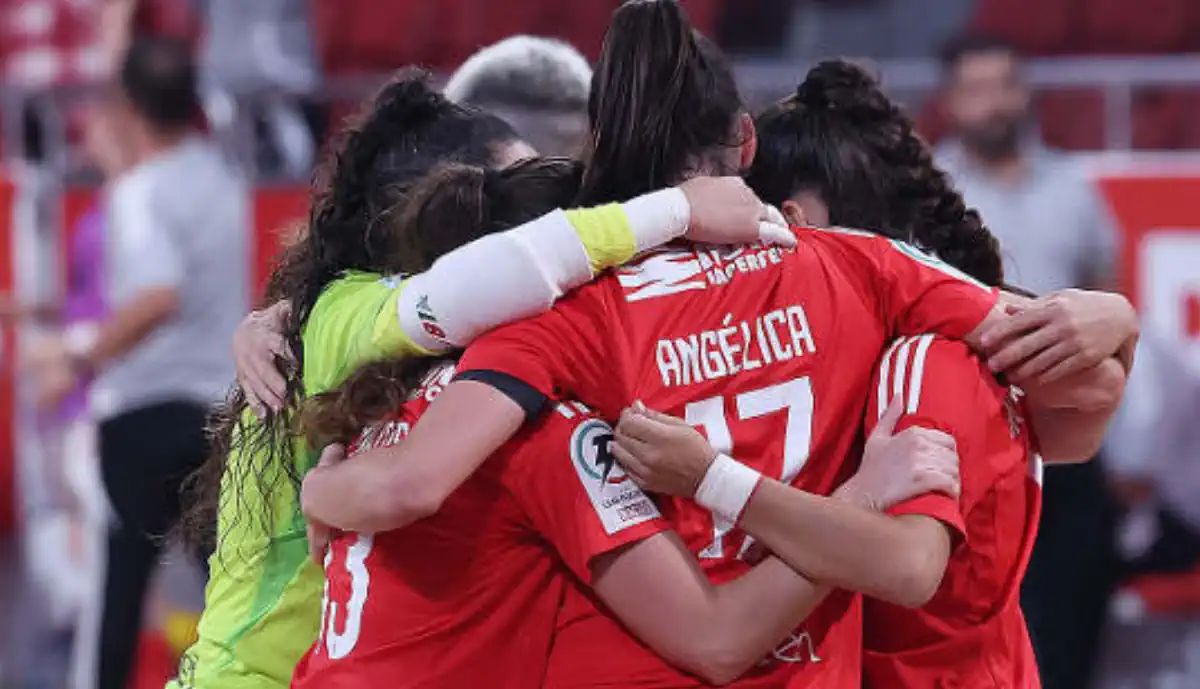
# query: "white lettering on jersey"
[672,272]
[661,274]
[618,502]
[776,336]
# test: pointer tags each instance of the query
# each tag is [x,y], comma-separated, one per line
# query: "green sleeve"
[353,322]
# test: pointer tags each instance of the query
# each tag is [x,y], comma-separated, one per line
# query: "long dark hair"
[842,138]
[358,193]
[473,201]
[663,103]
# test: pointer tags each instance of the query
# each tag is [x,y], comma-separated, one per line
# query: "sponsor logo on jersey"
[429,321]
[618,502]
[672,272]
[383,434]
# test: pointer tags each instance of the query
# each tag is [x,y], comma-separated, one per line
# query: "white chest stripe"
[902,371]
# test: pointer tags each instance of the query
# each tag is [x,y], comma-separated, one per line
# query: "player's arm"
[138,234]
[837,541]
[507,276]
[497,279]
[656,588]
[1071,401]
[921,383]
[1065,335]
[504,379]
[1071,416]
[612,537]
[389,488]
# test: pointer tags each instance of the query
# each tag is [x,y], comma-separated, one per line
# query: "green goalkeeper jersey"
[263,600]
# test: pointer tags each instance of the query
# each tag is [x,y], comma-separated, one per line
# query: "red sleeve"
[917,293]
[575,494]
[943,387]
[561,353]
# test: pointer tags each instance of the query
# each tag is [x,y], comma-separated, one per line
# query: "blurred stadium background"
[1117,84]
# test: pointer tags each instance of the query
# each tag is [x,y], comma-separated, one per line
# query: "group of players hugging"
[689,432]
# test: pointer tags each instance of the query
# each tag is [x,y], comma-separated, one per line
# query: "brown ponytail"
[663,98]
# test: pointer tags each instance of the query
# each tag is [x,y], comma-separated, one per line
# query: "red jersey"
[470,597]
[769,351]
[972,633]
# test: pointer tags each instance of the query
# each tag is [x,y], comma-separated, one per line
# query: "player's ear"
[749,138]
[793,213]
[807,208]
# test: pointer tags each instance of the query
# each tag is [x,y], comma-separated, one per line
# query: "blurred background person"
[265,46]
[1154,453]
[1055,234]
[538,85]
[160,357]
[65,510]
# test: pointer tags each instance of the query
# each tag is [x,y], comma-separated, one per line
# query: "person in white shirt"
[1056,234]
[176,288]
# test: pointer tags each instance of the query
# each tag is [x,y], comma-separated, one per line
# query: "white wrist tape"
[727,487]
[80,339]
[658,217]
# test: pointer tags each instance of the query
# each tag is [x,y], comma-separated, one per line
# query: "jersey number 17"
[795,397]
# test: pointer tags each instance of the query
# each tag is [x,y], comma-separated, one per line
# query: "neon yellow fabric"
[606,235]
[263,600]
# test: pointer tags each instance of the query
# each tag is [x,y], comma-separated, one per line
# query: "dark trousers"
[1072,574]
[1176,550]
[145,455]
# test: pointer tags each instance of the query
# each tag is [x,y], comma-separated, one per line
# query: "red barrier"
[1160,221]
[277,211]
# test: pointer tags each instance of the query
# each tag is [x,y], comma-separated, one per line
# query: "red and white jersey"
[769,351]
[972,633]
[470,597]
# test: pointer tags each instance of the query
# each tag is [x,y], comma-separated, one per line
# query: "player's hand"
[900,466]
[53,375]
[725,211]
[1058,335]
[661,453]
[319,534]
[259,349]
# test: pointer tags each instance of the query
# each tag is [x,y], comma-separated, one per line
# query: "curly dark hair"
[359,193]
[841,137]
[474,201]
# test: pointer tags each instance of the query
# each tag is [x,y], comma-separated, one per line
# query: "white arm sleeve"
[496,279]
[516,274]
